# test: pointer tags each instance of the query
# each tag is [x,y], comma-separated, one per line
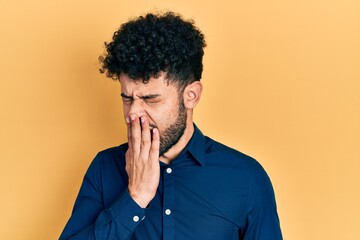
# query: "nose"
[137,107]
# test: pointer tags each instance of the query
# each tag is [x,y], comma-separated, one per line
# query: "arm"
[89,219]
[262,222]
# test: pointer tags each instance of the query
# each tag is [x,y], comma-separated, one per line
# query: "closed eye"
[151,98]
[154,98]
[126,98]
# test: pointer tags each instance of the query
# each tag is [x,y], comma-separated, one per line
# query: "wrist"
[141,200]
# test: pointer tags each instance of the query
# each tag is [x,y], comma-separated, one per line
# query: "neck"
[175,150]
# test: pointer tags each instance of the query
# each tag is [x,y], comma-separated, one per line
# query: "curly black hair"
[145,46]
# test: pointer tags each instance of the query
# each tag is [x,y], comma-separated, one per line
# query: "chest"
[196,203]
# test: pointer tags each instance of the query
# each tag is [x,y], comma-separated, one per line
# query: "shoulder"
[109,157]
[247,169]
[217,152]
[113,151]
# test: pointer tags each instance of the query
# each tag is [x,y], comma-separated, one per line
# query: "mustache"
[152,126]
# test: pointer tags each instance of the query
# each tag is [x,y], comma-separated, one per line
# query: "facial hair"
[171,135]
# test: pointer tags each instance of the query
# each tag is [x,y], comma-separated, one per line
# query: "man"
[169,181]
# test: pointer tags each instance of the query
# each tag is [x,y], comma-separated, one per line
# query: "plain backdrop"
[281,83]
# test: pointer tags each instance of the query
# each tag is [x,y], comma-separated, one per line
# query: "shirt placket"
[168,206]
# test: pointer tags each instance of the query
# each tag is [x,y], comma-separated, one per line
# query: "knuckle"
[143,157]
[145,141]
[155,147]
[154,151]
[135,138]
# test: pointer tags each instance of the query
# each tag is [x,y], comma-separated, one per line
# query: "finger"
[155,145]
[135,132]
[128,162]
[128,126]
[145,138]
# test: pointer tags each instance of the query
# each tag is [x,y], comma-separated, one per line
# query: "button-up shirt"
[209,192]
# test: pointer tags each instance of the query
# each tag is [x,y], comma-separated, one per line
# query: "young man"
[169,181]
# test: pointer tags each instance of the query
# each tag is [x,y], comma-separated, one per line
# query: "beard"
[171,135]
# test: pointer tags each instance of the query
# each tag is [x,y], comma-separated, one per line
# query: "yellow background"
[281,83]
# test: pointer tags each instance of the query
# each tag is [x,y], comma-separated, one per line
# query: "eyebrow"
[149,96]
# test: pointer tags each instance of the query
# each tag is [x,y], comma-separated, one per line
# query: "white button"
[167,211]
[136,218]
[168,170]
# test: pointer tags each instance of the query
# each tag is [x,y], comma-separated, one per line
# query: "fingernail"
[127,119]
[154,130]
[132,116]
[142,119]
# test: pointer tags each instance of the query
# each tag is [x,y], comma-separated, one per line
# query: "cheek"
[126,110]
[170,115]
[160,117]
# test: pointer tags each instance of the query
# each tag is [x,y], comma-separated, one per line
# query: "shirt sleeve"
[89,219]
[262,221]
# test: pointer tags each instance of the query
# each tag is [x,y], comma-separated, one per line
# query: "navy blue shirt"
[209,192]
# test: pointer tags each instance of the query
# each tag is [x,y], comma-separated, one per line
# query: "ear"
[192,94]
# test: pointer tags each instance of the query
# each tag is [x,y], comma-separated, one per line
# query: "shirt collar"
[196,146]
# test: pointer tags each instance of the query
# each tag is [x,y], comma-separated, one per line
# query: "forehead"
[154,85]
